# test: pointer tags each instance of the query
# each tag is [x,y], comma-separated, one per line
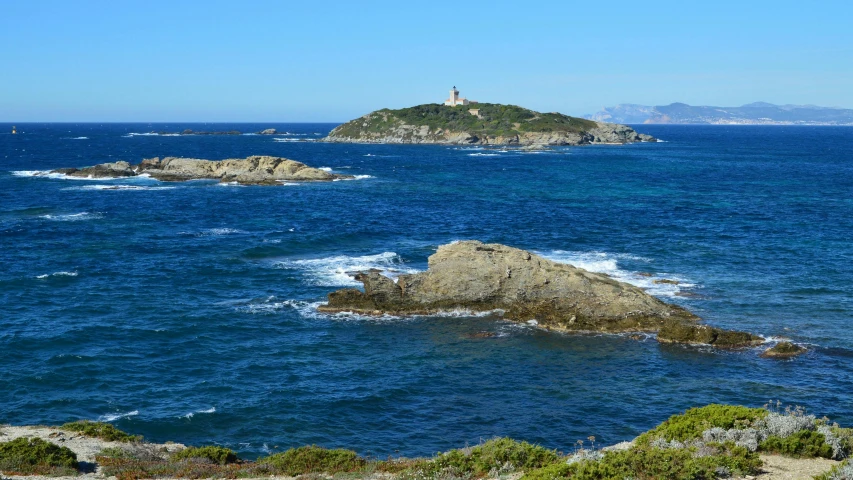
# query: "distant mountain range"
[758,113]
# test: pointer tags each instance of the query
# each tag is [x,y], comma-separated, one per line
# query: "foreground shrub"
[219,455]
[646,462]
[35,456]
[843,471]
[102,430]
[805,443]
[691,424]
[311,459]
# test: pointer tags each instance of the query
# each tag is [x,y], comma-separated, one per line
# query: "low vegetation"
[102,430]
[33,456]
[715,441]
[491,119]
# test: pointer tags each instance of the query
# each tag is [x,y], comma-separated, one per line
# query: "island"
[527,288]
[254,170]
[463,122]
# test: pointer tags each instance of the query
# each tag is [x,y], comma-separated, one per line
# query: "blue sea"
[187,311]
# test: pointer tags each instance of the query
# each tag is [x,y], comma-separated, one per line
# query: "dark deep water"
[186,311]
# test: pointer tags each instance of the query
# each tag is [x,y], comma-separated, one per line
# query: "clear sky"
[331,61]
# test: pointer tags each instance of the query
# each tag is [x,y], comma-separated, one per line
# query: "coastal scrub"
[34,456]
[102,430]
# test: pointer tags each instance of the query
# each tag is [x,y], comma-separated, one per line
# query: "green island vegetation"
[493,120]
[715,441]
[102,430]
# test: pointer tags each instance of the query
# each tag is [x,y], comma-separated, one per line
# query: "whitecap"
[141,134]
[110,417]
[118,187]
[71,217]
[338,270]
[608,263]
[355,177]
[192,414]
[219,232]
[484,154]
[57,274]
[325,169]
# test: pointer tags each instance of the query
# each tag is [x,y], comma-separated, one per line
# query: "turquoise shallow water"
[186,311]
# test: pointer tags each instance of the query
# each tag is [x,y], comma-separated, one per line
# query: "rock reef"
[254,170]
[524,286]
[481,124]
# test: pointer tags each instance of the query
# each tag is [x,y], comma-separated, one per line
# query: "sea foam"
[72,217]
[111,417]
[608,263]
[338,271]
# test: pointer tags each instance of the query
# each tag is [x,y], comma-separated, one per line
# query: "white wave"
[229,184]
[76,138]
[57,274]
[72,217]
[355,177]
[288,139]
[325,169]
[219,232]
[484,154]
[59,176]
[110,417]
[192,414]
[608,263]
[118,187]
[370,155]
[338,270]
[141,134]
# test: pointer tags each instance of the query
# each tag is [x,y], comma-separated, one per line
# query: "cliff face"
[481,124]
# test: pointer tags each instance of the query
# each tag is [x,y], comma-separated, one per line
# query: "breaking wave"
[662,285]
[339,271]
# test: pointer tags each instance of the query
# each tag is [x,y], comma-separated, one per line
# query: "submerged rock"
[784,350]
[254,170]
[268,131]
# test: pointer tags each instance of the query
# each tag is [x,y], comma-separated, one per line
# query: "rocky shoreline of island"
[480,124]
[527,288]
[253,170]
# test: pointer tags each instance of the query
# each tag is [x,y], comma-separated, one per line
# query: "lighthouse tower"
[455,99]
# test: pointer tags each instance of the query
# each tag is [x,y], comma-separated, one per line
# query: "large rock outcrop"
[255,170]
[481,277]
[480,124]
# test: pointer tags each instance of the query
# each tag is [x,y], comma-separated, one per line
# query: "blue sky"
[332,61]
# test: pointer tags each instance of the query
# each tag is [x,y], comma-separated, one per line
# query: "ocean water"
[187,311]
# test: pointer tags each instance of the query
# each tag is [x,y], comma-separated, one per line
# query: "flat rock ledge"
[479,277]
[254,170]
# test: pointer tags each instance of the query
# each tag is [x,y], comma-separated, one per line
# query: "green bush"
[496,455]
[645,462]
[102,430]
[311,459]
[842,471]
[34,456]
[694,421]
[218,455]
[805,443]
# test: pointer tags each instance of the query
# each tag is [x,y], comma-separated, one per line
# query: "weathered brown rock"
[481,277]
[104,170]
[255,170]
[681,332]
[784,350]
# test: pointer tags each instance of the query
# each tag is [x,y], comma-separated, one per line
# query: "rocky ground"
[525,287]
[254,170]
